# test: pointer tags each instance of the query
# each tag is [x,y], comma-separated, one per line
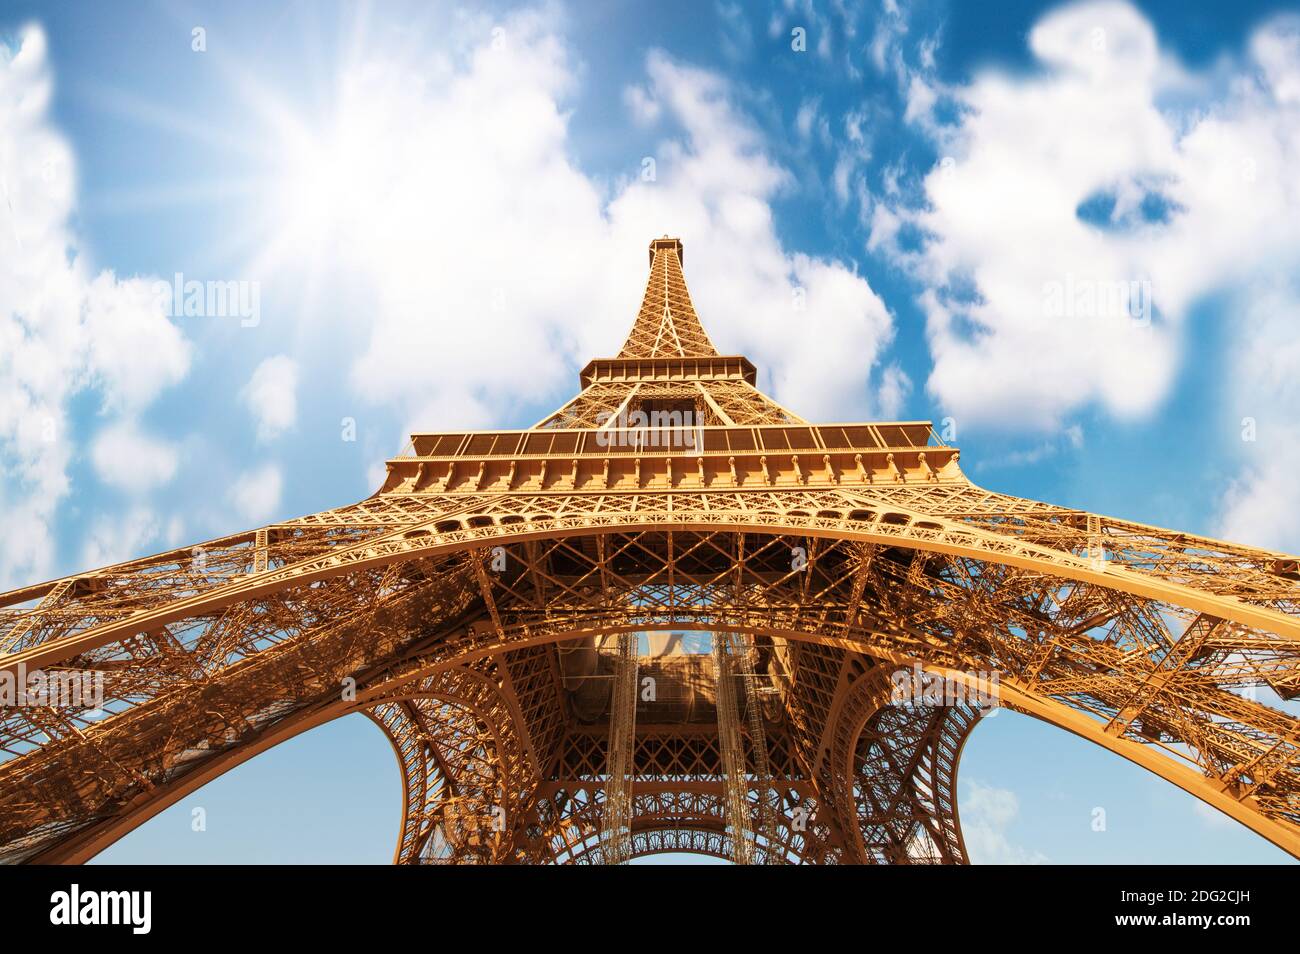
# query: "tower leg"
[465,781]
[905,772]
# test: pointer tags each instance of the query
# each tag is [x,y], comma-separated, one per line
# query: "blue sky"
[923,173]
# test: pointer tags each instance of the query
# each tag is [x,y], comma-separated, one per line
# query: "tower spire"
[666,325]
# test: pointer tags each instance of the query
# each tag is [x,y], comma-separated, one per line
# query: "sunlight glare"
[334,188]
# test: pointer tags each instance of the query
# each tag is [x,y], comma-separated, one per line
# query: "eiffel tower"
[671,616]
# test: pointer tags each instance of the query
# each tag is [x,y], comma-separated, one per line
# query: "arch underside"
[1144,642]
[471,795]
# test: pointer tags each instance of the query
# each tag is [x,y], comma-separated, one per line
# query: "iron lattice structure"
[470,607]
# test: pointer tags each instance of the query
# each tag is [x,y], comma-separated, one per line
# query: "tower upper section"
[668,412]
[667,325]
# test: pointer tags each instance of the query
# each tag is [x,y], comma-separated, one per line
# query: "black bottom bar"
[671,906]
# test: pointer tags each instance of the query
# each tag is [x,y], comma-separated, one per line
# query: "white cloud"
[986,814]
[271,396]
[62,327]
[1083,177]
[1259,506]
[643,109]
[895,386]
[1262,504]
[891,27]
[175,531]
[1277,50]
[505,252]
[133,350]
[921,99]
[256,494]
[491,253]
[129,460]
[736,36]
[806,117]
[111,540]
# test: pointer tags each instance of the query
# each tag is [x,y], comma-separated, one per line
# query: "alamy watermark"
[75,906]
[914,687]
[657,428]
[235,298]
[60,689]
[1128,300]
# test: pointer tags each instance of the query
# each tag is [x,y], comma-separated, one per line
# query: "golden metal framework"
[467,607]
[617,814]
[734,764]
